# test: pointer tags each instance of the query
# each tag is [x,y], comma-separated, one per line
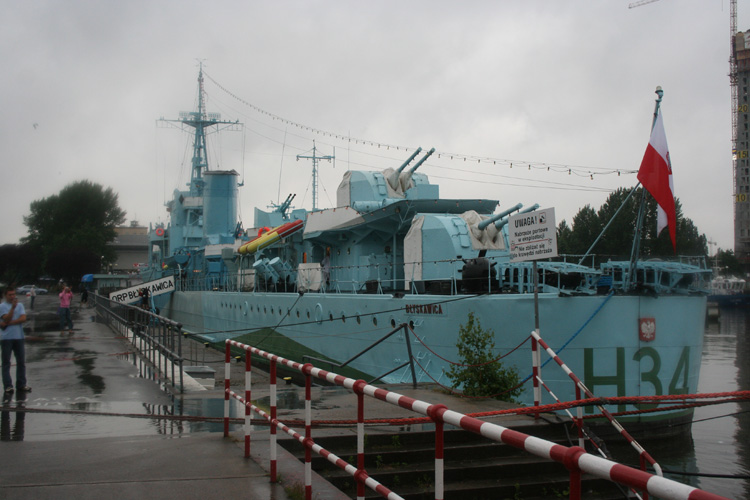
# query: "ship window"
[330,316]
[298,313]
[374,321]
[308,314]
[359,320]
[343,318]
[411,325]
[393,323]
[264,309]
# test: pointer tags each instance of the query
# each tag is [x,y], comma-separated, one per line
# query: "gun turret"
[287,203]
[419,163]
[499,224]
[402,167]
[487,222]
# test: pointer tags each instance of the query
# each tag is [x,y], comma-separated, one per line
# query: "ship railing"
[403,327]
[580,387]
[158,339]
[574,458]
[444,277]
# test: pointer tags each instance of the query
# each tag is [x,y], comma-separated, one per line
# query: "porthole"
[244,311]
[264,309]
[343,317]
[308,314]
[330,316]
[393,323]
[359,320]
[411,325]
[374,321]
[298,313]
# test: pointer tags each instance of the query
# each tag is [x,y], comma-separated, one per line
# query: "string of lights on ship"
[464,159]
[230,110]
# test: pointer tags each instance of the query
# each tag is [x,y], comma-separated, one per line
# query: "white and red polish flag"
[655,174]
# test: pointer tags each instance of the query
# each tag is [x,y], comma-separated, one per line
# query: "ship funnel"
[419,163]
[487,222]
[499,224]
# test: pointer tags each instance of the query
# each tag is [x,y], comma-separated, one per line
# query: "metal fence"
[158,339]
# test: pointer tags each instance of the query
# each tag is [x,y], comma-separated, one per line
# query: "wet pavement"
[100,423]
[80,436]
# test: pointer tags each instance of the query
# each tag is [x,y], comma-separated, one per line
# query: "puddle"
[65,423]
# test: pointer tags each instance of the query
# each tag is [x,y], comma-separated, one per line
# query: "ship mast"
[201,121]
[315,160]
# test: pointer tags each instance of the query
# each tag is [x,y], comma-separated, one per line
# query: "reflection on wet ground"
[91,384]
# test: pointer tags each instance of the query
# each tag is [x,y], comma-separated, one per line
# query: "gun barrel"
[496,217]
[419,163]
[402,167]
[499,224]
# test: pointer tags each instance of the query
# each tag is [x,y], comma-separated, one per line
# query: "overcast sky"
[566,87]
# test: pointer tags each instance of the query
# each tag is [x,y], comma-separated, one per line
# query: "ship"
[382,283]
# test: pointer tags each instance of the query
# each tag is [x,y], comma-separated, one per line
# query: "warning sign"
[533,235]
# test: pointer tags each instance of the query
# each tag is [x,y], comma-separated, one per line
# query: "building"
[131,247]
[740,154]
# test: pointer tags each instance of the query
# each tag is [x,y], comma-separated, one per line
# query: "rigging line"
[281,169]
[375,143]
[561,188]
[558,168]
[288,311]
[502,176]
[362,315]
[327,195]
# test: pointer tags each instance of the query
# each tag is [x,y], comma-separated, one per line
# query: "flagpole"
[636,250]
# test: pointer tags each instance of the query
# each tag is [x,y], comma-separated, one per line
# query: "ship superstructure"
[330,283]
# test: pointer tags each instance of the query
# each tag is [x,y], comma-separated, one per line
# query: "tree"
[18,264]
[617,242]
[726,263]
[481,374]
[71,230]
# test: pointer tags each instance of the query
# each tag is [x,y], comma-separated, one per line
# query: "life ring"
[159,232]
[263,230]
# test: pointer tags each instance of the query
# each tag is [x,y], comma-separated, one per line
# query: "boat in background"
[332,283]
[728,291]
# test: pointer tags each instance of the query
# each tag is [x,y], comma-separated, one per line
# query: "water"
[720,441]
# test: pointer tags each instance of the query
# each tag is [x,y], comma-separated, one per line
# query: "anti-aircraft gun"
[477,275]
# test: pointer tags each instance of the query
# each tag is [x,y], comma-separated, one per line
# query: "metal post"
[536,372]
[227,369]
[179,352]
[308,431]
[360,439]
[411,359]
[248,393]
[435,412]
[273,420]
[579,419]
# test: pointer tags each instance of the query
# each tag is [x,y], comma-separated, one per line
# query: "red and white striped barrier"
[575,459]
[580,386]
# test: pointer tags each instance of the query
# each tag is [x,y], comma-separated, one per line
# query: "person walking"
[12,316]
[32,294]
[66,297]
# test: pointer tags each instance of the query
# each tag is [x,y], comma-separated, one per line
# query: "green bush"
[480,376]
